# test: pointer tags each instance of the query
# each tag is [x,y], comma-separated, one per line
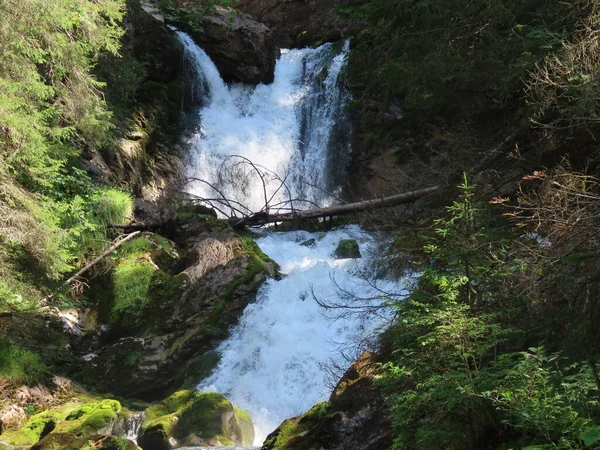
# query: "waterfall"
[296,129]
[128,427]
[293,129]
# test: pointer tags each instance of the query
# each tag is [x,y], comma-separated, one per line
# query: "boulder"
[300,23]
[181,322]
[12,417]
[354,417]
[310,243]
[241,48]
[63,427]
[192,418]
[70,441]
[347,249]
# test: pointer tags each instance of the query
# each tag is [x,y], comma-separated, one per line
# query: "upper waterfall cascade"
[273,363]
[297,128]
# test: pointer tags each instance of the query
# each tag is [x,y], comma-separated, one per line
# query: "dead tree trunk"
[104,254]
[263,218]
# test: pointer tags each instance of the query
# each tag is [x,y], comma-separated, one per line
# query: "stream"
[287,351]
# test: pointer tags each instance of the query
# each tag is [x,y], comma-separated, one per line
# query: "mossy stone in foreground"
[347,249]
[70,441]
[36,428]
[58,425]
[194,418]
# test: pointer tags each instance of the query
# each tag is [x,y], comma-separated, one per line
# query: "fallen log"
[264,218]
[109,250]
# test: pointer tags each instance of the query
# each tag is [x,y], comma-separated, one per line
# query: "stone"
[310,243]
[354,417]
[347,249]
[12,417]
[192,418]
[182,324]
[242,48]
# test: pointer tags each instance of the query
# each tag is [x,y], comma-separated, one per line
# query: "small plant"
[20,366]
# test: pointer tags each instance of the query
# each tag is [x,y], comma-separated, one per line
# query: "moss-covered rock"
[354,417]
[90,418]
[194,418]
[175,316]
[62,422]
[70,441]
[34,429]
[347,249]
[246,425]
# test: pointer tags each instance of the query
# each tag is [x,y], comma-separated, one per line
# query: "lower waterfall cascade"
[273,363]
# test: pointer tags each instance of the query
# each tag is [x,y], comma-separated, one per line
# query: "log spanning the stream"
[264,218]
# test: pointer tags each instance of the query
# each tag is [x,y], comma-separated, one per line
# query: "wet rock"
[355,416]
[192,418]
[310,243]
[241,48]
[181,322]
[70,441]
[347,249]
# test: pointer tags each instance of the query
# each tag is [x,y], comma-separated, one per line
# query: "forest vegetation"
[498,345]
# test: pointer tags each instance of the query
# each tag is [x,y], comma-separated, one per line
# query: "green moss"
[131,282]
[246,425]
[90,417]
[36,428]
[114,443]
[312,430]
[251,247]
[347,248]
[255,267]
[183,414]
[316,413]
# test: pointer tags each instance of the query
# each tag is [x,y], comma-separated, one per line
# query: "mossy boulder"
[194,418]
[90,418]
[347,249]
[354,417]
[34,429]
[70,441]
[246,425]
[59,424]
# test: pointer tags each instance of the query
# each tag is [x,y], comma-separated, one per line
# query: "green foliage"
[450,56]
[47,94]
[540,398]
[456,377]
[20,366]
[131,282]
[190,17]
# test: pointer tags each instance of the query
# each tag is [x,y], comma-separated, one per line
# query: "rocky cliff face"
[299,23]
[241,48]
[189,306]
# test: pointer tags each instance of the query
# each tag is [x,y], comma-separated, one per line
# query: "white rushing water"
[290,129]
[273,363]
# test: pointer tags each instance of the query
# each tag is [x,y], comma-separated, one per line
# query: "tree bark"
[109,250]
[264,218]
